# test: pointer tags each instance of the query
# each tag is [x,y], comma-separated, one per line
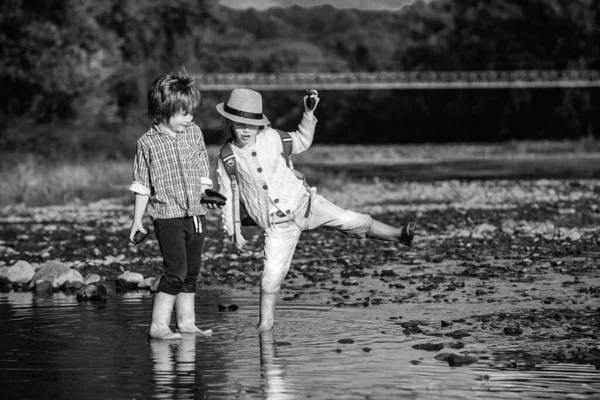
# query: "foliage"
[78,70]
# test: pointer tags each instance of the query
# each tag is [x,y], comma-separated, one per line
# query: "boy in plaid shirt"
[170,176]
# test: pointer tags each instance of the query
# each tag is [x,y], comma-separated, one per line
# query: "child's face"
[245,134]
[179,122]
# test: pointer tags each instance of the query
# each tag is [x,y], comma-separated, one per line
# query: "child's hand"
[212,199]
[136,226]
[311,100]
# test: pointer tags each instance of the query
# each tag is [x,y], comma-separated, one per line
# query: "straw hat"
[245,106]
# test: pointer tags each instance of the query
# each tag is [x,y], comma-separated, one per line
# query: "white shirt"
[265,182]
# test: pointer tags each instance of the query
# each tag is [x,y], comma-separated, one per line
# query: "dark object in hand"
[213,197]
[310,101]
[140,236]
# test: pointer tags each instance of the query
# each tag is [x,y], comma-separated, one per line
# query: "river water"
[54,348]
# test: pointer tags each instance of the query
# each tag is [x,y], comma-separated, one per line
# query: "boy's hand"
[212,199]
[311,100]
[138,232]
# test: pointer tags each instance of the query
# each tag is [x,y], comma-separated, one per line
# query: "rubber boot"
[161,317]
[267,311]
[185,311]
[404,235]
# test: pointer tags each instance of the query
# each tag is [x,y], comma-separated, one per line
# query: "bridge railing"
[401,80]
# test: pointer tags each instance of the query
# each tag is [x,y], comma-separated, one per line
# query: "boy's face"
[179,122]
[245,134]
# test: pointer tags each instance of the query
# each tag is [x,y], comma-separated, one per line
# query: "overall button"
[265,187]
[259,170]
[253,154]
[287,211]
[276,201]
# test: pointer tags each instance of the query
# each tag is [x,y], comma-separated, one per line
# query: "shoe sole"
[410,230]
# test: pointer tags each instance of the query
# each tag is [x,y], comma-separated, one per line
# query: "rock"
[91,278]
[429,346]
[483,231]
[346,341]
[231,307]
[92,292]
[20,272]
[458,334]
[456,360]
[57,273]
[512,331]
[509,226]
[42,287]
[129,280]
[3,276]
[147,283]
[73,285]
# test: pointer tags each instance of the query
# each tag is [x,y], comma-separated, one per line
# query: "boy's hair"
[171,94]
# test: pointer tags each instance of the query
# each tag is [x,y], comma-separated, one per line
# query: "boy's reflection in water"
[174,367]
[271,368]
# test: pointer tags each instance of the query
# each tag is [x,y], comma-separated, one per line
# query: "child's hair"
[228,134]
[171,94]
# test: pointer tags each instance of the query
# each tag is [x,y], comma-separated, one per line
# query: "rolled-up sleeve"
[303,137]
[141,175]
[227,217]
[204,161]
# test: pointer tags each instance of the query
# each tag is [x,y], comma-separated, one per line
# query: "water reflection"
[272,370]
[174,367]
[100,351]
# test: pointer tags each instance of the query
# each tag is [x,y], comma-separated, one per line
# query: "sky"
[360,4]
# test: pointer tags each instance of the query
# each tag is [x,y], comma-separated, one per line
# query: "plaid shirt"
[173,170]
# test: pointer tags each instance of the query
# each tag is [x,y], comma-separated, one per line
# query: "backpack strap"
[287,143]
[228,158]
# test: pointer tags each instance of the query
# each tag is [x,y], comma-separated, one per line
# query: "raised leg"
[404,235]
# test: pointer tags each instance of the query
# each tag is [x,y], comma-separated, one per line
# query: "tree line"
[75,73]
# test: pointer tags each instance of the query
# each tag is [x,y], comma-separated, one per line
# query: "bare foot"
[264,328]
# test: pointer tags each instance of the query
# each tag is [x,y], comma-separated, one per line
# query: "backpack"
[228,158]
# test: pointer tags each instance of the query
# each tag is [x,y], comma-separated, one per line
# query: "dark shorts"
[181,249]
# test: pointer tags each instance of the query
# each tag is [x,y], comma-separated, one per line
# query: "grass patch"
[36,181]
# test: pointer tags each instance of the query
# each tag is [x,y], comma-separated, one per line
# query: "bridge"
[520,79]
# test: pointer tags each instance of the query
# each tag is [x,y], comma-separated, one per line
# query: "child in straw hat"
[256,174]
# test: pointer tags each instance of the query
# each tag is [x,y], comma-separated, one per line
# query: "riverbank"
[31,180]
[504,264]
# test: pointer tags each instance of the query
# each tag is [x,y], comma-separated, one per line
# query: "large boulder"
[19,273]
[56,273]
